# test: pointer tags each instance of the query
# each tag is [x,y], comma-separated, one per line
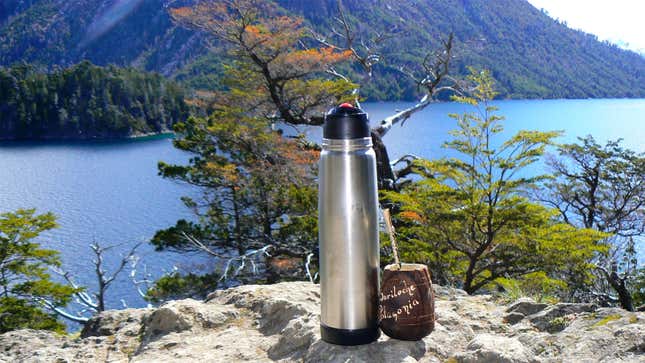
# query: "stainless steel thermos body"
[348,229]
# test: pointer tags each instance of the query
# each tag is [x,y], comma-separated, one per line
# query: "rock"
[274,305]
[557,317]
[121,329]
[526,306]
[266,323]
[486,348]
[521,308]
[44,346]
[604,335]
[189,314]
[112,321]
[513,318]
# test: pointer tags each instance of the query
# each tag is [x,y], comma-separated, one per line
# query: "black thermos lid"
[346,122]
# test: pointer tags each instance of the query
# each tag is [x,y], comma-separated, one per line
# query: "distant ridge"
[530,54]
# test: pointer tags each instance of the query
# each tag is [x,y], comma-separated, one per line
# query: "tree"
[175,286]
[637,285]
[258,185]
[91,303]
[282,64]
[25,284]
[251,179]
[603,187]
[86,101]
[21,314]
[274,73]
[469,217]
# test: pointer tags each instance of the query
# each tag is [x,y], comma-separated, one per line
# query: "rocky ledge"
[280,323]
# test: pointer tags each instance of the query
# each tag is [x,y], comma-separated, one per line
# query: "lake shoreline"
[171,134]
[54,140]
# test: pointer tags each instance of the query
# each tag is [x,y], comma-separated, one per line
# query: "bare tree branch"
[59,311]
[82,298]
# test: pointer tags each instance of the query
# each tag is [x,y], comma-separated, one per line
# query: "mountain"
[530,54]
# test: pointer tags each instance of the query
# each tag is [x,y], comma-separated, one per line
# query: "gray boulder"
[513,318]
[526,306]
[486,348]
[557,317]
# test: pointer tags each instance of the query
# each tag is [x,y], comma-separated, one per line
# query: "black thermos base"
[349,336]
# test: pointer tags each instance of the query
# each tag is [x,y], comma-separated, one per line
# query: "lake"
[109,191]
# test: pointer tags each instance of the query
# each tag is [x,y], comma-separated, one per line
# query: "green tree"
[603,187]
[468,217]
[258,184]
[175,286]
[25,283]
[86,101]
[248,175]
[637,285]
[21,314]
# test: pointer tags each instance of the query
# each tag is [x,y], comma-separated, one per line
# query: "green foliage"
[258,185]
[469,217]
[601,187]
[85,101]
[530,54]
[20,314]
[300,228]
[58,33]
[205,73]
[536,285]
[177,286]
[24,280]
[637,287]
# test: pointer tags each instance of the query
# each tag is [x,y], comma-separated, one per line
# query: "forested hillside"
[530,54]
[86,101]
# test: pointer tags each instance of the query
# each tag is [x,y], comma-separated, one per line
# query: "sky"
[619,21]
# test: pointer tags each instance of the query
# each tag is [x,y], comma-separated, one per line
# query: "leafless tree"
[432,77]
[92,303]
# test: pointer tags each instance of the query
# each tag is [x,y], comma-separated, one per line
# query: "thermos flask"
[348,229]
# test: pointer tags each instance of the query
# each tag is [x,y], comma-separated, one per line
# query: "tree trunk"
[384,172]
[238,233]
[5,287]
[470,277]
[101,300]
[624,297]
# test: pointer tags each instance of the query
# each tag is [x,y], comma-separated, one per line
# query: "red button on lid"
[346,105]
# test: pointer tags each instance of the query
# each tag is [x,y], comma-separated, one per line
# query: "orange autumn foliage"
[412,216]
[274,73]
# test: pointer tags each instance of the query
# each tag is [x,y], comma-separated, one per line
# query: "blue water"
[427,130]
[604,119]
[110,191]
[107,192]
